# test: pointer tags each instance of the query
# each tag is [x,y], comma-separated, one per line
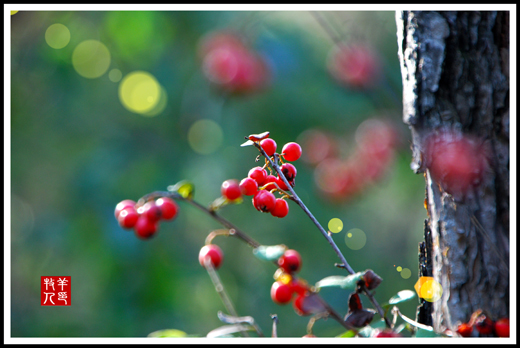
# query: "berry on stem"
[484,325]
[281,293]
[248,186]
[291,151]
[290,261]
[230,189]
[122,205]
[168,207]
[258,174]
[144,228]
[151,211]
[269,179]
[269,146]
[281,184]
[264,201]
[289,171]
[212,251]
[281,208]
[127,218]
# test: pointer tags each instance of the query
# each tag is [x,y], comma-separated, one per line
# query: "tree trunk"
[455,68]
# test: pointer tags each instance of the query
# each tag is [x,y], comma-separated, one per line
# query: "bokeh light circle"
[355,239]
[205,136]
[399,268]
[91,59]
[160,106]
[13,12]
[115,75]
[335,225]
[429,289]
[57,36]
[406,273]
[139,92]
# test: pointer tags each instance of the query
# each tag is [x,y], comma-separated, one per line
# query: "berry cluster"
[484,325]
[342,178]
[262,185]
[286,285]
[354,65]
[145,219]
[455,161]
[231,65]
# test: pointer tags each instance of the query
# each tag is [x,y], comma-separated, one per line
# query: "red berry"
[299,305]
[465,330]
[264,201]
[212,251]
[281,184]
[502,327]
[168,207]
[258,174]
[281,293]
[122,205]
[269,146]
[270,178]
[299,286]
[281,208]
[231,189]
[290,261]
[289,171]
[291,151]
[128,217]
[308,336]
[484,325]
[386,333]
[144,228]
[151,211]
[248,186]
[355,65]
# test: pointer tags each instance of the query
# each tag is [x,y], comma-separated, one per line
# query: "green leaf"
[168,333]
[402,296]
[347,334]
[269,252]
[185,188]
[426,333]
[348,282]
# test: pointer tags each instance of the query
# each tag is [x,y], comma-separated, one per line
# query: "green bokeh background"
[76,152]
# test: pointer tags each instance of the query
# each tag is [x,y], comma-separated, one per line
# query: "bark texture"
[455,69]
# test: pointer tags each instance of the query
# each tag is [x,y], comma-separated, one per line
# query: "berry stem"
[345,264]
[221,291]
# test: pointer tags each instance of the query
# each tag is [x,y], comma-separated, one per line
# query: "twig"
[275,324]
[327,236]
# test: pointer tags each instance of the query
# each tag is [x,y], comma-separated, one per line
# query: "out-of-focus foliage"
[82,140]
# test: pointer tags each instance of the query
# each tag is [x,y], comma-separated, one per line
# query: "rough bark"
[455,69]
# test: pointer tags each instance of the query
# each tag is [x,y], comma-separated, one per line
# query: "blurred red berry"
[281,293]
[455,161]
[215,254]
[127,218]
[484,325]
[168,207]
[145,228]
[291,151]
[230,189]
[385,333]
[290,261]
[281,208]
[465,330]
[258,174]
[264,201]
[355,65]
[122,205]
[316,146]
[502,327]
[269,146]
[151,211]
[248,186]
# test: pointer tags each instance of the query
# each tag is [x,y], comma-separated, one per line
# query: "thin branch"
[275,324]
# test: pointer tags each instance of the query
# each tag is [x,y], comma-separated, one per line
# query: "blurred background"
[107,106]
